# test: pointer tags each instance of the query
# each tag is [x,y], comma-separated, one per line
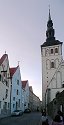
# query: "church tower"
[51,53]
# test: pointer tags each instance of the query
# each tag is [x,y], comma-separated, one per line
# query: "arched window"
[56,50]
[52,64]
[51,51]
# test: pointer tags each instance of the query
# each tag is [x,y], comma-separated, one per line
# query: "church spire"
[50,31]
[49,13]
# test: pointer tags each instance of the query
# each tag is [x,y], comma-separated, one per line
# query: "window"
[17,92]
[52,64]
[5,75]
[6,93]
[5,105]
[14,98]
[13,105]
[51,51]
[8,105]
[7,83]
[62,85]
[19,102]
[18,82]
[56,50]
[0,104]
[0,77]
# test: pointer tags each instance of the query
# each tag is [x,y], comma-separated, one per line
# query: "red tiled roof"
[24,83]
[3,58]
[13,70]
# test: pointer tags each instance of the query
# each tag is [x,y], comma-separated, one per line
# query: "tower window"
[56,50]
[51,51]
[52,64]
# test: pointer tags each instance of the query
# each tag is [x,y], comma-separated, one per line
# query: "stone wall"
[56,104]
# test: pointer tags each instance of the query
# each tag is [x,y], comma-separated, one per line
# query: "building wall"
[26,97]
[57,82]
[5,88]
[47,71]
[30,99]
[16,92]
[23,95]
[36,103]
[56,104]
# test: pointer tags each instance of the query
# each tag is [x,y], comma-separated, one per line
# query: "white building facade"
[56,84]
[25,86]
[23,96]
[4,85]
[16,89]
[51,53]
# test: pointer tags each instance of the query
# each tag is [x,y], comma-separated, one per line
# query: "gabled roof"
[13,70]
[24,83]
[3,58]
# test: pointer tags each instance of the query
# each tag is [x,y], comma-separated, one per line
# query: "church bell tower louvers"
[51,54]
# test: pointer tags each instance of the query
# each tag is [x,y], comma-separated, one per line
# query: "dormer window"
[51,51]
[56,50]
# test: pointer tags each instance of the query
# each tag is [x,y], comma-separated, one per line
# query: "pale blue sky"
[23,30]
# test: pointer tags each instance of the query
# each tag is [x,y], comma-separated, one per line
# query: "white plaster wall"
[15,87]
[47,74]
[3,86]
[23,94]
[57,81]
[27,95]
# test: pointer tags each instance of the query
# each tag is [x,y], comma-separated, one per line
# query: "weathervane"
[5,51]
[49,13]
[18,63]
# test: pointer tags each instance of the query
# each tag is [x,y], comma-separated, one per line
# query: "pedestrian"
[44,119]
[57,120]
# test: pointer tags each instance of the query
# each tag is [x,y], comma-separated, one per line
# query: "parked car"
[17,113]
[27,111]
